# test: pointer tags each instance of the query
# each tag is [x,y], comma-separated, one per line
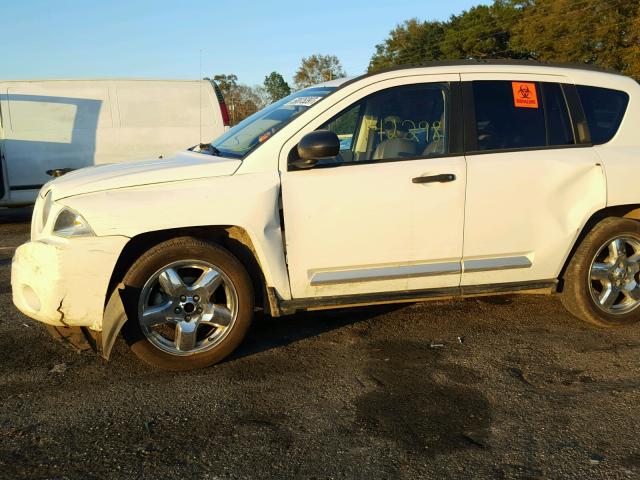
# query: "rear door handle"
[442,178]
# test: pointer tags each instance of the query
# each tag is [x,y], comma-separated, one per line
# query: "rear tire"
[192,306]
[602,283]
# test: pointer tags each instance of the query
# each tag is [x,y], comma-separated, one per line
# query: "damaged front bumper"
[64,282]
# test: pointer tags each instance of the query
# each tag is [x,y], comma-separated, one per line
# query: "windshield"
[259,127]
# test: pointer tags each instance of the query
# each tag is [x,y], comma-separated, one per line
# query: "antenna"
[200,91]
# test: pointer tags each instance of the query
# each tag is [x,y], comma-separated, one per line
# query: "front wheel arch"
[233,238]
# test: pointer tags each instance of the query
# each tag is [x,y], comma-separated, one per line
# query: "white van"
[49,125]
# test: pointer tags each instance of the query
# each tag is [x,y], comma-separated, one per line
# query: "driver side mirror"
[314,146]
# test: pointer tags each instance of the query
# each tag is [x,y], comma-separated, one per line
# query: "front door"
[387,214]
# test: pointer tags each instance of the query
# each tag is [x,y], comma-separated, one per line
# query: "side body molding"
[364,274]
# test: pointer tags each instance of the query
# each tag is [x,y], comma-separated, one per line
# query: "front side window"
[259,127]
[398,123]
[604,109]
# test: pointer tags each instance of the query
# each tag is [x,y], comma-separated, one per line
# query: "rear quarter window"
[604,109]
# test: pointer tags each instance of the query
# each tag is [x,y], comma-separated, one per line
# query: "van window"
[394,124]
[57,114]
[604,109]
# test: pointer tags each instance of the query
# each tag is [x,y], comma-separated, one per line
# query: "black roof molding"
[487,61]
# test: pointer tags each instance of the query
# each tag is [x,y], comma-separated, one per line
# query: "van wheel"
[602,282]
[193,304]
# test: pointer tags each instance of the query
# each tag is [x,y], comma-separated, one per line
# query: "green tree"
[242,100]
[483,31]
[631,54]
[601,32]
[276,86]
[413,42]
[316,69]
[227,83]
[246,101]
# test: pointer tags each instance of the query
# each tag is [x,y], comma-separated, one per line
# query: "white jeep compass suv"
[456,179]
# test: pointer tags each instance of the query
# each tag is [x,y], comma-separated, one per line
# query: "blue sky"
[163,39]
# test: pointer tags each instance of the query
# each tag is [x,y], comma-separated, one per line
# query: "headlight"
[71,224]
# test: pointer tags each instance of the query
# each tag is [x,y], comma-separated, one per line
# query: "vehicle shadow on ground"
[16,215]
[267,333]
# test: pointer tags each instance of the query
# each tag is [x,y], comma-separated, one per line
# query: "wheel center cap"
[189,307]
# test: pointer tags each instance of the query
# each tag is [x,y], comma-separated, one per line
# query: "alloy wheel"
[187,307]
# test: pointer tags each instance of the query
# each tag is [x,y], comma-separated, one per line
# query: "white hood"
[184,165]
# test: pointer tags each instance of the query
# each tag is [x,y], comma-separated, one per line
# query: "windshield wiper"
[212,150]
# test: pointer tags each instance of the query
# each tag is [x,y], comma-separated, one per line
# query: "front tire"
[602,281]
[194,303]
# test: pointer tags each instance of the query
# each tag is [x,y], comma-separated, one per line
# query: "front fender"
[249,201]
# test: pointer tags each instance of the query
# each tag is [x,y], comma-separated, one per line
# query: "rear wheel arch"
[631,211]
[607,295]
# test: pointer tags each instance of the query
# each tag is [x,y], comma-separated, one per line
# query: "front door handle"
[442,178]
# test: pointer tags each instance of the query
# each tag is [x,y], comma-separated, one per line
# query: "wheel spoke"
[222,316]
[609,296]
[633,294]
[209,281]
[600,271]
[617,250]
[171,282]
[186,333]
[156,315]
[635,258]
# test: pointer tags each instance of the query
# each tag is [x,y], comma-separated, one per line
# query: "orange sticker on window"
[524,95]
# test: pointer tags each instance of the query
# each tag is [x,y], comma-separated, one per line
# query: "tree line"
[599,32]
[243,100]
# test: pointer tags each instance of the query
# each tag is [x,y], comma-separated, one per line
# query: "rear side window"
[604,109]
[502,123]
[520,115]
[559,130]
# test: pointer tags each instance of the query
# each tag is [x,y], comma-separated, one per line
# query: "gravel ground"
[507,387]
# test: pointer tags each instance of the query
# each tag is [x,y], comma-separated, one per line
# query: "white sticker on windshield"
[302,102]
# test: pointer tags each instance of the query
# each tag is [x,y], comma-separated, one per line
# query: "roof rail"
[487,61]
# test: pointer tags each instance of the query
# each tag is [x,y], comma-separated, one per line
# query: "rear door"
[532,178]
